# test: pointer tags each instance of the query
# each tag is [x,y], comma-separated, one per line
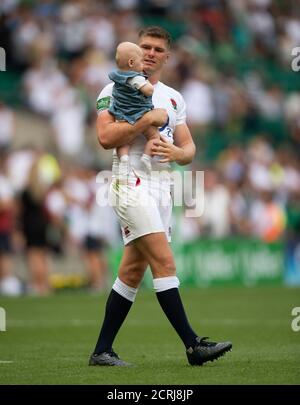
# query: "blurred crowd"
[225,58]
[49,208]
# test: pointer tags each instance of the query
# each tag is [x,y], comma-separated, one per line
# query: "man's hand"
[182,151]
[168,151]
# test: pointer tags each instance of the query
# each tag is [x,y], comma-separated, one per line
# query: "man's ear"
[167,57]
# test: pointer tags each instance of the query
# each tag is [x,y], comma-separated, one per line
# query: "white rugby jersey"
[163,97]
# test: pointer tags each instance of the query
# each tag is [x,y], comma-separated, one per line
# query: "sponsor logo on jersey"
[166,130]
[103,103]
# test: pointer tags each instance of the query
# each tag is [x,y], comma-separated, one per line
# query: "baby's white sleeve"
[137,82]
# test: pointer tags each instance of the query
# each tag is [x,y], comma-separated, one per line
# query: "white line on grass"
[6,361]
[48,323]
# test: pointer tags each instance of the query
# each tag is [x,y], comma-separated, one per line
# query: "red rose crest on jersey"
[174,104]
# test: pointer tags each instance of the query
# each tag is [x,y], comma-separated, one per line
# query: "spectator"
[267,218]
[68,122]
[7,126]
[199,102]
[9,283]
[215,221]
[34,221]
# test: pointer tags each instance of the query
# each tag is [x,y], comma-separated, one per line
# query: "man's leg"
[157,251]
[119,302]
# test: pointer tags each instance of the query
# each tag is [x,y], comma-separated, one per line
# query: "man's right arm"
[113,134]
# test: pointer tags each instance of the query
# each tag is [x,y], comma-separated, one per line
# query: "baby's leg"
[122,152]
[151,134]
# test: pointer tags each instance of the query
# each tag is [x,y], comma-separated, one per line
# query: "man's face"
[155,52]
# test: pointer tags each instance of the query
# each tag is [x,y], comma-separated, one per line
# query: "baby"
[132,98]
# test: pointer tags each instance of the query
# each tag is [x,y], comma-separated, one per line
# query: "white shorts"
[141,209]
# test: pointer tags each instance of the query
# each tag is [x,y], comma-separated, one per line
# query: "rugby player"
[145,221]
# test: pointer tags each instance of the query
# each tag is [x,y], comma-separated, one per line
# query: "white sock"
[124,159]
[123,289]
[165,283]
[124,166]
[146,160]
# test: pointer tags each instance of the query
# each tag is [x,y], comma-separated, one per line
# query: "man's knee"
[165,267]
[169,265]
[132,274]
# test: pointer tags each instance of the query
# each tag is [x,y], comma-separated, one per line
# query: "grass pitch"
[49,340]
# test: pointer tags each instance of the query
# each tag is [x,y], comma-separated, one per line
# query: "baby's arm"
[141,84]
[147,89]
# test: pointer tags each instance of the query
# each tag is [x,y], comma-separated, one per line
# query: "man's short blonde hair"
[156,32]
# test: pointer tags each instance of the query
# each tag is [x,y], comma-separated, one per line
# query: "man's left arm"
[182,151]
